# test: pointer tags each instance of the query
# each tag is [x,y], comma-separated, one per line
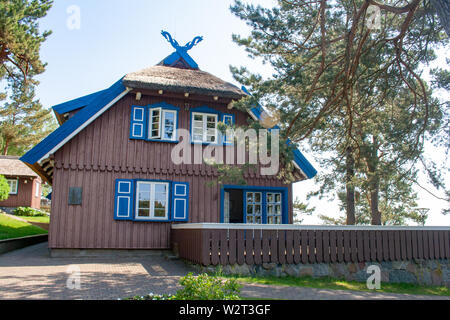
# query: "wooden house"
[115,185]
[25,186]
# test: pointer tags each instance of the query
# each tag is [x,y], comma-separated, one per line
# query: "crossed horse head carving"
[174,43]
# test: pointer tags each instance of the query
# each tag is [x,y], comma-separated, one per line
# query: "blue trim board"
[57,136]
[307,168]
[263,189]
[76,103]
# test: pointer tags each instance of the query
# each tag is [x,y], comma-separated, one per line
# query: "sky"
[114,37]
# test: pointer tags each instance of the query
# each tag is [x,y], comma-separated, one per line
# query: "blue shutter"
[137,127]
[180,201]
[123,200]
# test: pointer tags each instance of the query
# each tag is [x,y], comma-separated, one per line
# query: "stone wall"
[426,272]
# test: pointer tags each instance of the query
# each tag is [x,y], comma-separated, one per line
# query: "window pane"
[249,197]
[278,209]
[198,117]
[270,209]
[160,213]
[160,188]
[250,209]
[211,119]
[258,197]
[270,219]
[144,212]
[257,209]
[270,197]
[277,197]
[249,219]
[258,219]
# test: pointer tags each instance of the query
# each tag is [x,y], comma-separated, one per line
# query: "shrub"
[205,287]
[4,188]
[28,212]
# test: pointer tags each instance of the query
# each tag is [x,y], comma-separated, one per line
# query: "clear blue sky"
[117,37]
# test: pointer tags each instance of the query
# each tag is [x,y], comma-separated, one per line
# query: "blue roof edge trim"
[76,103]
[299,159]
[68,127]
[169,60]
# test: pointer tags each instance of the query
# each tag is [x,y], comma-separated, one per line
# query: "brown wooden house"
[115,185]
[24,184]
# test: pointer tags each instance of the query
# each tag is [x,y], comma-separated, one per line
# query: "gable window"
[204,127]
[13,185]
[154,122]
[152,200]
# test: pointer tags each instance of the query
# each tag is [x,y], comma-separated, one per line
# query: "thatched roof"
[12,166]
[181,80]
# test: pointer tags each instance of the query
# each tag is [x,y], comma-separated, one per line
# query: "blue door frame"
[263,190]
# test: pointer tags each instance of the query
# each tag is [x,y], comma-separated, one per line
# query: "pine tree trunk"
[443,10]
[350,200]
[374,193]
[5,148]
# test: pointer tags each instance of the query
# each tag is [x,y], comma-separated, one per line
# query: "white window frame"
[253,204]
[152,201]
[204,128]
[16,182]
[163,125]
[38,186]
[150,123]
[274,203]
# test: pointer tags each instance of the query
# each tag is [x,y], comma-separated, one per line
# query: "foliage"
[355,93]
[4,188]
[301,208]
[21,40]
[28,212]
[201,287]
[23,120]
[205,287]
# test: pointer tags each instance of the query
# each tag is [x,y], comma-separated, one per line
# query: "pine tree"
[354,92]
[23,120]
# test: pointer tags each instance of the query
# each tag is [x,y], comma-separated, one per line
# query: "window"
[37,193]
[204,127]
[162,124]
[152,200]
[254,207]
[13,185]
[228,120]
[273,203]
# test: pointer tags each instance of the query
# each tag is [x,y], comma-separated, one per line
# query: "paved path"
[30,273]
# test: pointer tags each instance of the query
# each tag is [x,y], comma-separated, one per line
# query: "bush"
[4,188]
[28,212]
[205,287]
[202,287]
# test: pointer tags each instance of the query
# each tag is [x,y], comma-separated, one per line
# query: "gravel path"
[30,273]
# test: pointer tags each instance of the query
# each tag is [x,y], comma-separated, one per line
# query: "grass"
[11,228]
[44,219]
[332,283]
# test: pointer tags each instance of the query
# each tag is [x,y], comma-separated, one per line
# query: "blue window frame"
[228,119]
[266,205]
[155,122]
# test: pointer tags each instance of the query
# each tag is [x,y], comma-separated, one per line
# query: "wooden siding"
[102,153]
[25,196]
[257,246]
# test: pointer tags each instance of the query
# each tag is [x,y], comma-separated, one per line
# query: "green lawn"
[44,219]
[330,283]
[11,228]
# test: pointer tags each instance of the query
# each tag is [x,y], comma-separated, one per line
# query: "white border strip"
[85,124]
[241,226]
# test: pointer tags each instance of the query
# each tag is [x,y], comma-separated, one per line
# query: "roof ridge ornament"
[188,46]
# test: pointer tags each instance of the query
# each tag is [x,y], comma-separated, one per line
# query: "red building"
[24,183]
[115,184]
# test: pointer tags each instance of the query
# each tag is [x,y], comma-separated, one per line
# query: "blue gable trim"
[76,103]
[57,136]
[180,54]
[299,158]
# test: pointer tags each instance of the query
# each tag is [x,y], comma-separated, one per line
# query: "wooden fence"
[213,244]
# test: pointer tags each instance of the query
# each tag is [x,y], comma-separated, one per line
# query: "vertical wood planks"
[297,241]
